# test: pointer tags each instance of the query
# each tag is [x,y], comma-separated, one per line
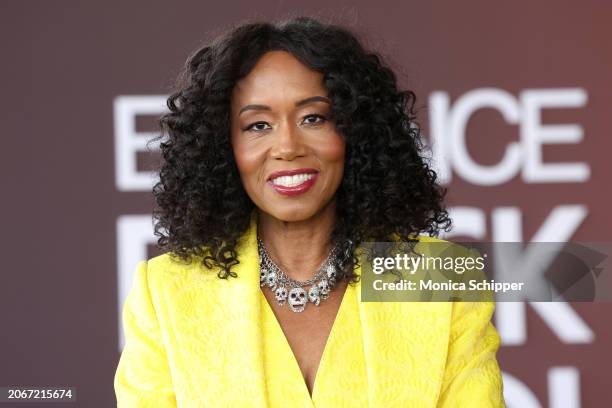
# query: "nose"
[288,143]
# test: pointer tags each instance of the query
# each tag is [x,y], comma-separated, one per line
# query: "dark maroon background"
[65,61]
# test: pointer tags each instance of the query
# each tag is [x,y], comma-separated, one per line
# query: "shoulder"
[169,263]
[394,237]
[438,246]
[427,238]
[167,272]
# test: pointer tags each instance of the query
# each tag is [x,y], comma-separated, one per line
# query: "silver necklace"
[292,291]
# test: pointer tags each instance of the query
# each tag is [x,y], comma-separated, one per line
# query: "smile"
[293,182]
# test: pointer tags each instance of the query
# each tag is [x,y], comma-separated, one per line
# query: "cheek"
[333,151]
[243,154]
[332,155]
[249,163]
[243,161]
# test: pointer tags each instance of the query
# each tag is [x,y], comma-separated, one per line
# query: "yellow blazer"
[194,340]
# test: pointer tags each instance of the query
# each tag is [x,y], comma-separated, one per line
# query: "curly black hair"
[388,189]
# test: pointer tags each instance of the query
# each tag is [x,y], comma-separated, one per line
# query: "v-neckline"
[328,342]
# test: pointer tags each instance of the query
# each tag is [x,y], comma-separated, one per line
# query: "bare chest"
[307,332]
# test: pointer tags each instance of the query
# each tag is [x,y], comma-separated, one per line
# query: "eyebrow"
[298,103]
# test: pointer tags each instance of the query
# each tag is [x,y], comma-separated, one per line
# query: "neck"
[299,247]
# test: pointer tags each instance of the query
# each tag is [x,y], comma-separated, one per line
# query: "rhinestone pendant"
[297,299]
[271,280]
[313,295]
[323,288]
[281,295]
[331,275]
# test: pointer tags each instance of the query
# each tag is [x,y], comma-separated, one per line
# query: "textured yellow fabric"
[194,340]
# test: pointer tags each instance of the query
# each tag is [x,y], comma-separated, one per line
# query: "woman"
[289,146]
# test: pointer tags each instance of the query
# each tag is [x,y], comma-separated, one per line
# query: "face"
[289,154]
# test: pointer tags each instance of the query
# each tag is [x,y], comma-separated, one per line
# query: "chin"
[292,215]
[301,209]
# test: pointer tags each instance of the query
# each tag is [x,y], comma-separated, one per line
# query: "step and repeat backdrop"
[513,99]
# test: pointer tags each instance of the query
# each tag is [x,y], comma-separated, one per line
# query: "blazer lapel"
[244,298]
[227,323]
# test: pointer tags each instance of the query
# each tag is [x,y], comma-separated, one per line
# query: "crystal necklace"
[292,291]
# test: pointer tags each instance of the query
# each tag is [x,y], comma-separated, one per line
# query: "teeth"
[291,181]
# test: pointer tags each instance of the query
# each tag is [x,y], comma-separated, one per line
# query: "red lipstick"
[297,189]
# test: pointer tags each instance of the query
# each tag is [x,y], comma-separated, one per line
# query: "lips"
[293,182]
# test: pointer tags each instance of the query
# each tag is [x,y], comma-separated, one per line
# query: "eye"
[260,126]
[323,119]
[251,127]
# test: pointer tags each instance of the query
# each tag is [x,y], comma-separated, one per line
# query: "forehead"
[277,74]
